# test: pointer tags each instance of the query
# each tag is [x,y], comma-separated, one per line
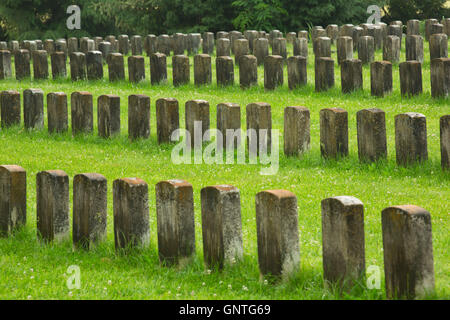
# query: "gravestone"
[57,115]
[13,199]
[131,213]
[10,108]
[241,48]
[116,68]
[344,49]
[94,65]
[89,210]
[261,49]
[33,109]
[380,78]
[248,71]
[273,72]
[440,77]
[259,128]
[322,47]
[138,116]
[58,61]
[408,252]
[52,204]
[77,66]
[410,138]
[229,124]
[224,71]
[124,44]
[300,47]
[136,45]
[391,49]
[351,75]
[438,46]
[108,115]
[296,131]
[82,112]
[297,72]
[333,133]
[371,131]
[197,121]
[202,69]
[366,49]
[414,48]
[167,119]
[40,64]
[279,47]
[5,64]
[324,73]
[223,47]
[175,220]
[277,233]
[410,78]
[444,129]
[221,225]
[158,68]
[136,69]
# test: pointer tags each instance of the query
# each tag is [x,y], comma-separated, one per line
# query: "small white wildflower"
[178,288]
[109,282]
[229,286]
[192,292]
[45,282]
[32,277]
[104,288]
[203,284]
[244,288]
[265,281]
[70,293]
[169,292]
[29,298]
[214,295]
[220,282]
[208,271]
[31,269]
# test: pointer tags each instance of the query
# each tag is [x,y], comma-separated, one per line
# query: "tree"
[405,10]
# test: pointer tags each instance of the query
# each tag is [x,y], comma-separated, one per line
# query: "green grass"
[32,270]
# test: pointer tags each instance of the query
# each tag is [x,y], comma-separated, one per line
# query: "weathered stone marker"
[136,45]
[410,138]
[40,64]
[332,32]
[428,24]
[344,49]
[105,48]
[108,115]
[273,72]
[259,120]
[131,213]
[138,116]
[366,49]
[58,62]
[72,45]
[52,203]
[10,108]
[224,71]
[82,112]
[5,64]
[371,130]
[410,78]
[248,71]
[180,70]
[89,210]
[324,73]
[444,128]
[277,232]
[357,33]
[197,111]
[136,68]
[202,69]
[413,27]
[241,48]
[116,68]
[261,49]
[343,241]
[322,47]
[94,65]
[229,124]
[221,225]
[150,44]
[33,109]
[208,43]
[351,75]
[13,199]
[57,115]
[223,47]
[77,66]
[333,132]
[279,47]
[380,78]
[297,71]
[296,131]
[175,220]
[158,68]
[124,44]
[396,30]
[438,46]
[22,64]
[414,48]
[301,47]
[440,77]
[167,118]
[408,251]
[391,49]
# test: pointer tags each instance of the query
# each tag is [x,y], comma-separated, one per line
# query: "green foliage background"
[34,19]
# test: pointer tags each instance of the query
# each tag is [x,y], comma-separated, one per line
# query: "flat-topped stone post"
[116,67]
[13,199]
[82,110]
[410,78]
[248,71]
[440,77]
[52,204]
[197,121]
[221,225]
[259,128]
[167,119]
[58,63]
[33,109]
[202,69]
[333,133]
[343,243]
[223,47]
[410,138]
[5,64]
[444,130]
[438,46]
[57,114]
[273,72]
[371,131]
[10,108]
[78,68]
[261,49]
[380,78]
[229,124]
[296,131]
[391,49]
[138,116]
[324,73]
[297,71]
[158,68]
[408,252]
[94,65]
[89,210]
[180,70]
[277,233]
[108,115]
[414,48]
[344,49]
[136,69]
[351,75]
[131,213]
[224,71]
[175,221]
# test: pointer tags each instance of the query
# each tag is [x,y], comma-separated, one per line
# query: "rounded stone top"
[133,181]
[408,209]
[12,168]
[176,183]
[54,173]
[223,188]
[348,200]
[90,176]
[279,193]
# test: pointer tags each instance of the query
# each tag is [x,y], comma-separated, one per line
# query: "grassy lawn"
[30,270]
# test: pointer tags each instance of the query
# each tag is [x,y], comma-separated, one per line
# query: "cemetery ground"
[32,270]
